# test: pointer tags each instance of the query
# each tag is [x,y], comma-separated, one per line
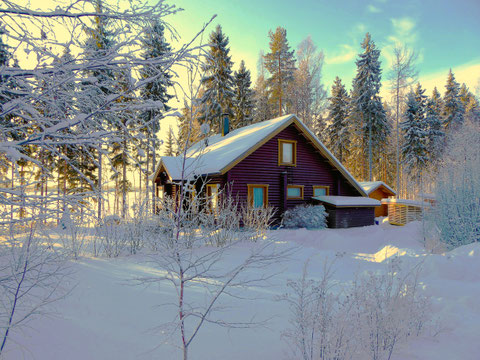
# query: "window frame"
[301,187]
[213,205]
[250,188]
[280,152]
[326,187]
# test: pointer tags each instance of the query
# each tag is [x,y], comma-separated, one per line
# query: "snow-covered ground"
[107,317]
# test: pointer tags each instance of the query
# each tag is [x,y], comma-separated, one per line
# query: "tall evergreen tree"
[243,99]
[435,133]
[453,110]
[338,131]
[414,149]
[367,105]
[470,104]
[170,143]
[155,46]
[280,63]
[217,81]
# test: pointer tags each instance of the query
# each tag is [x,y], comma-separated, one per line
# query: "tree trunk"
[154,153]
[100,195]
[124,178]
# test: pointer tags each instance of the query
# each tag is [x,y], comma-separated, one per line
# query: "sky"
[444,33]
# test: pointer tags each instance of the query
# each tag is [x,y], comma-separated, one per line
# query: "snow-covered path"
[106,317]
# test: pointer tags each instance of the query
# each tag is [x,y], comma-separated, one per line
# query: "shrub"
[306,216]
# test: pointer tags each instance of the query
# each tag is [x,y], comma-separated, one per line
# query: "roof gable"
[371,186]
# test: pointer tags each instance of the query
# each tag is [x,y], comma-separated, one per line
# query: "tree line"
[395,141]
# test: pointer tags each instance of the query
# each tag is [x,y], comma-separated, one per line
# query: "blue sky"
[444,33]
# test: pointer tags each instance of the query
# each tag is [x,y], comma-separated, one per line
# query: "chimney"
[225,124]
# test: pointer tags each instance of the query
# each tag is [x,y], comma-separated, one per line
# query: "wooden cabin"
[378,190]
[277,162]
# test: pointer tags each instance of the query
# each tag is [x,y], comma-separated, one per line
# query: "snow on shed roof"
[217,154]
[370,186]
[173,165]
[347,201]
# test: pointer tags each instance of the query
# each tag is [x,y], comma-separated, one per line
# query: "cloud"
[373,9]
[403,30]
[346,54]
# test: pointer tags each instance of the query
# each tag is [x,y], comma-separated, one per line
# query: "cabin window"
[257,195]
[295,192]
[160,191]
[212,196]
[287,152]
[320,190]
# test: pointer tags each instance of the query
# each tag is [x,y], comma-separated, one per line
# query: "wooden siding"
[380,194]
[349,217]
[261,167]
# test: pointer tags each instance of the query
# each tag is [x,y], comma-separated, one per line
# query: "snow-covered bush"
[222,225]
[113,239]
[256,221]
[365,320]
[457,211]
[31,274]
[305,216]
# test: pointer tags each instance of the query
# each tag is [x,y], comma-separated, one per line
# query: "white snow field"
[107,317]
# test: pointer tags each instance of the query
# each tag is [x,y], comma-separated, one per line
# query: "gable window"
[295,192]
[287,152]
[258,195]
[320,190]
[212,196]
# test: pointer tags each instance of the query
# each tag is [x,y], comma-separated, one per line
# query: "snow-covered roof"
[173,165]
[217,154]
[370,186]
[347,201]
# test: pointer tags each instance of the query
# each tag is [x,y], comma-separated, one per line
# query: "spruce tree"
[159,80]
[243,98]
[470,104]
[414,148]
[453,110]
[170,143]
[435,133]
[367,105]
[217,81]
[338,131]
[280,63]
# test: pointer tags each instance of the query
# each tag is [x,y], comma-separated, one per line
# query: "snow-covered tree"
[156,92]
[402,75]
[263,107]
[217,81]
[470,104]
[414,148]
[306,93]
[243,103]
[339,130]
[453,110]
[170,143]
[457,210]
[280,63]
[435,131]
[367,108]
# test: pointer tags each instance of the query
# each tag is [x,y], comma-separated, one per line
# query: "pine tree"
[159,82]
[217,81]
[280,63]
[170,143]
[188,129]
[338,131]
[414,149]
[243,98]
[453,110]
[367,105]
